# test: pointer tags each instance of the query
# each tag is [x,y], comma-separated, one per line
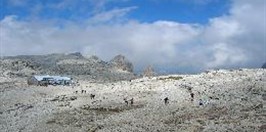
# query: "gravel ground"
[232,100]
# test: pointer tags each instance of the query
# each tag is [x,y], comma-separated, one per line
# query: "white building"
[49,80]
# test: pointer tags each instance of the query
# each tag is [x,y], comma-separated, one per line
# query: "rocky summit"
[148,72]
[120,62]
[74,64]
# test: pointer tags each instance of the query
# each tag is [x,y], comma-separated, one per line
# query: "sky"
[170,35]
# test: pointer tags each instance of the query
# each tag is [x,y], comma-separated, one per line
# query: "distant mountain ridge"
[119,68]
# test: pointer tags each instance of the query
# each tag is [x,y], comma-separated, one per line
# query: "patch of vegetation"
[171,78]
[51,121]
[117,109]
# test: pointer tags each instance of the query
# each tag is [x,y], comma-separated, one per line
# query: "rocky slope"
[75,64]
[232,100]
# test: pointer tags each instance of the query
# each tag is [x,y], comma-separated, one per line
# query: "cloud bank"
[236,39]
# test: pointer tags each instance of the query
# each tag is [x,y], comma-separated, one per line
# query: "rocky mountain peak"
[76,54]
[148,71]
[94,58]
[118,58]
[67,64]
[120,62]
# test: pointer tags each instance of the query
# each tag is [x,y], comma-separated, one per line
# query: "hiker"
[131,101]
[83,91]
[92,96]
[166,100]
[200,102]
[192,96]
[125,100]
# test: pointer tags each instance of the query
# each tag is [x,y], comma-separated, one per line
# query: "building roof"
[40,78]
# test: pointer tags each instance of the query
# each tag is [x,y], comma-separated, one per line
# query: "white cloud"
[17,2]
[110,16]
[224,55]
[97,6]
[197,2]
[233,40]
[242,32]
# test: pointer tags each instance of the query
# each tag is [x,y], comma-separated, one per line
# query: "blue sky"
[181,11]
[171,35]
[193,11]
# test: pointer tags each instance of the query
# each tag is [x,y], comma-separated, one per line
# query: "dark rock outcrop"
[264,66]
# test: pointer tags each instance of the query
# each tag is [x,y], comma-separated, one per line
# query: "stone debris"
[217,100]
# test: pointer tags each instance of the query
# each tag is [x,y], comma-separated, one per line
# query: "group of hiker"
[131,101]
[92,96]
[166,100]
